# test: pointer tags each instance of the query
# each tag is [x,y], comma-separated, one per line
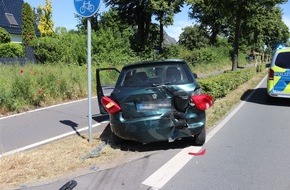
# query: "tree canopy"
[239,18]
[139,14]
[28,30]
[193,37]
[45,23]
[4,36]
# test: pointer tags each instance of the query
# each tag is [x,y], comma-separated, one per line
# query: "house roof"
[10,10]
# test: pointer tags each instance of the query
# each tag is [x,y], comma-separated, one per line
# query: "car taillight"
[202,101]
[110,105]
[271,74]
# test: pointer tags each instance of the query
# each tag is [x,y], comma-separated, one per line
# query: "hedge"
[220,85]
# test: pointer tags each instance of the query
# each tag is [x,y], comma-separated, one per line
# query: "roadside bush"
[220,85]
[48,49]
[112,48]
[108,48]
[206,55]
[172,51]
[4,36]
[11,50]
[4,98]
[74,48]
[20,93]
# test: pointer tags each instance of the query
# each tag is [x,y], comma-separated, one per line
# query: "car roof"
[155,62]
[282,50]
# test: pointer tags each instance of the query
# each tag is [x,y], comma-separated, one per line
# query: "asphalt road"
[247,150]
[39,125]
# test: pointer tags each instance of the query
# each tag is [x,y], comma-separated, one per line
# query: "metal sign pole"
[90,78]
[88,9]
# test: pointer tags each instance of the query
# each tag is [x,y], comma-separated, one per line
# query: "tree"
[209,18]
[60,30]
[244,11]
[193,37]
[45,23]
[28,31]
[37,14]
[135,13]
[236,13]
[110,19]
[164,11]
[275,31]
[4,36]
[266,28]
[83,22]
[139,13]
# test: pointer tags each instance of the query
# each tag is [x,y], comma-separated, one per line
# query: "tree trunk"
[161,37]
[147,27]
[213,37]
[236,41]
[141,38]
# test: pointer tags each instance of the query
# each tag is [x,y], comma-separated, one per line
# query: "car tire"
[199,139]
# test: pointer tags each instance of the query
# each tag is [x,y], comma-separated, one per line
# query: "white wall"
[16,38]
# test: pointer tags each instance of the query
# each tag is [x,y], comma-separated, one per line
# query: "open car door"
[106,79]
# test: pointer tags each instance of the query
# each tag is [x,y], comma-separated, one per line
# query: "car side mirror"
[194,75]
[267,65]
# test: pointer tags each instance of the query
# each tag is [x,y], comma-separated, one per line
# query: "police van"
[278,84]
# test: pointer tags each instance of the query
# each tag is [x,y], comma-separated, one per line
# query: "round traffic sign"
[87,8]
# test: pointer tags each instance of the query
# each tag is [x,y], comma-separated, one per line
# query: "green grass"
[33,85]
[38,85]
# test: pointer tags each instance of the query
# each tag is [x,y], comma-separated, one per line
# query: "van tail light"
[202,101]
[110,105]
[271,74]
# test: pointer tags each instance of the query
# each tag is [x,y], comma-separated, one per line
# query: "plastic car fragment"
[201,153]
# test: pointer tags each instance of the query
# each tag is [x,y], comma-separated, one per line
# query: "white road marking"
[160,177]
[48,140]
[45,108]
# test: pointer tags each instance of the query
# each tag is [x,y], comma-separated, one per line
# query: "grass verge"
[63,157]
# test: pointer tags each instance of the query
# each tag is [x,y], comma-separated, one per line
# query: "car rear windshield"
[283,60]
[155,75]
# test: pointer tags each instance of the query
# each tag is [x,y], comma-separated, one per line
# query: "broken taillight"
[202,101]
[110,105]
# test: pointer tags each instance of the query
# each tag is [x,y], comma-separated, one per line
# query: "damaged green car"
[153,101]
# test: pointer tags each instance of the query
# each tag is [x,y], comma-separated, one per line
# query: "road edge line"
[48,140]
[161,176]
[44,108]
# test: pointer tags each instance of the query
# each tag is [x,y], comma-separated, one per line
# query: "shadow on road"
[126,145]
[100,118]
[73,125]
[260,96]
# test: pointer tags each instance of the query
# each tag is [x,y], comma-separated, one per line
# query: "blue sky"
[64,10]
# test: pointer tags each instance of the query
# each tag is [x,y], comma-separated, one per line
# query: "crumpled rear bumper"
[157,128]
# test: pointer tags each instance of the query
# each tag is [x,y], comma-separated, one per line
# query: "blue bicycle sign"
[86,8]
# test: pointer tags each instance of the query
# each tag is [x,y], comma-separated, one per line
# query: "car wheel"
[199,139]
